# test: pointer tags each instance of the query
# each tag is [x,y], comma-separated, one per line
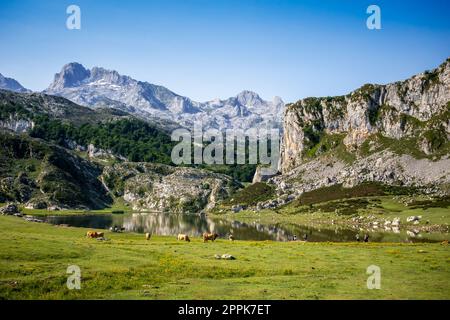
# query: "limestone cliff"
[394,133]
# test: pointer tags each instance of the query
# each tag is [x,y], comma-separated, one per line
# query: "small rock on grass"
[224,257]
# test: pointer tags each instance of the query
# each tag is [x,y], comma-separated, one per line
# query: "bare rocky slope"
[396,134]
[157,187]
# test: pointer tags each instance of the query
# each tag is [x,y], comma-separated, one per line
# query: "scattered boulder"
[261,176]
[10,209]
[225,256]
[32,219]
[395,222]
[36,205]
[410,234]
[116,229]
[237,208]
[290,198]
[413,218]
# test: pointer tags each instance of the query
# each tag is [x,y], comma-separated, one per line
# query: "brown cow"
[94,234]
[210,236]
[184,237]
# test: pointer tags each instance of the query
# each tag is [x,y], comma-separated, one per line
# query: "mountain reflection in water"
[195,225]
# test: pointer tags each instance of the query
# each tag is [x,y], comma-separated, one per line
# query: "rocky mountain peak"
[71,75]
[249,98]
[109,76]
[11,85]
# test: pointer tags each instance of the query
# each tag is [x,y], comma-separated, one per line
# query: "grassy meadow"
[34,258]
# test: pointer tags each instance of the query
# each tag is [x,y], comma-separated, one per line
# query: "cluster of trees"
[240,172]
[131,138]
[134,139]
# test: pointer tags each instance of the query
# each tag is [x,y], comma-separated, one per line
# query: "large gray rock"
[259,176]
[10,209]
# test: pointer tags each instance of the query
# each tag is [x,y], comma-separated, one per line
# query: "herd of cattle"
[181,237]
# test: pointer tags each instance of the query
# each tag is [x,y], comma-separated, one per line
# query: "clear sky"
[205,49]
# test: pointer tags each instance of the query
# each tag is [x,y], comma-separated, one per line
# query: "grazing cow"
[184,237]
[147,236]
[94,234]
[231,237]
[209,236]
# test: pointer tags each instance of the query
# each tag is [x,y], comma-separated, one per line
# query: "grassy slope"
[34,258]
[339,205]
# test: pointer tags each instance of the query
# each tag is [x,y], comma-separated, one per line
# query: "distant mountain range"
[11,84]
[59,154]
[98,87]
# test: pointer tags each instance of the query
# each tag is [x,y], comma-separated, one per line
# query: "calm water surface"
[194,225]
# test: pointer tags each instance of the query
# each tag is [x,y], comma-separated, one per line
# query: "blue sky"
[205,49]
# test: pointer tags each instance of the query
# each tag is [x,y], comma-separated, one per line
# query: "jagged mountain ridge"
[11,84]
[100,87]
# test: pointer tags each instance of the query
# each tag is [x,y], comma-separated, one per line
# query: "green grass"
[340,206]
[34,258]
[250,195]
[337,192]
[330,144]
[341,213]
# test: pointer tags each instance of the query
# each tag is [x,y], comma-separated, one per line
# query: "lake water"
[194,225]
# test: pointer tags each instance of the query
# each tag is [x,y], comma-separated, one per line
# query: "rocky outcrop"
[394,134]
[417,108]
[17,125]
[385,167]
[9,209]
[260,176]
[157,187]
[42,175]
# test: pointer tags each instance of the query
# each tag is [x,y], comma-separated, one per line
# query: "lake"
[194,225]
